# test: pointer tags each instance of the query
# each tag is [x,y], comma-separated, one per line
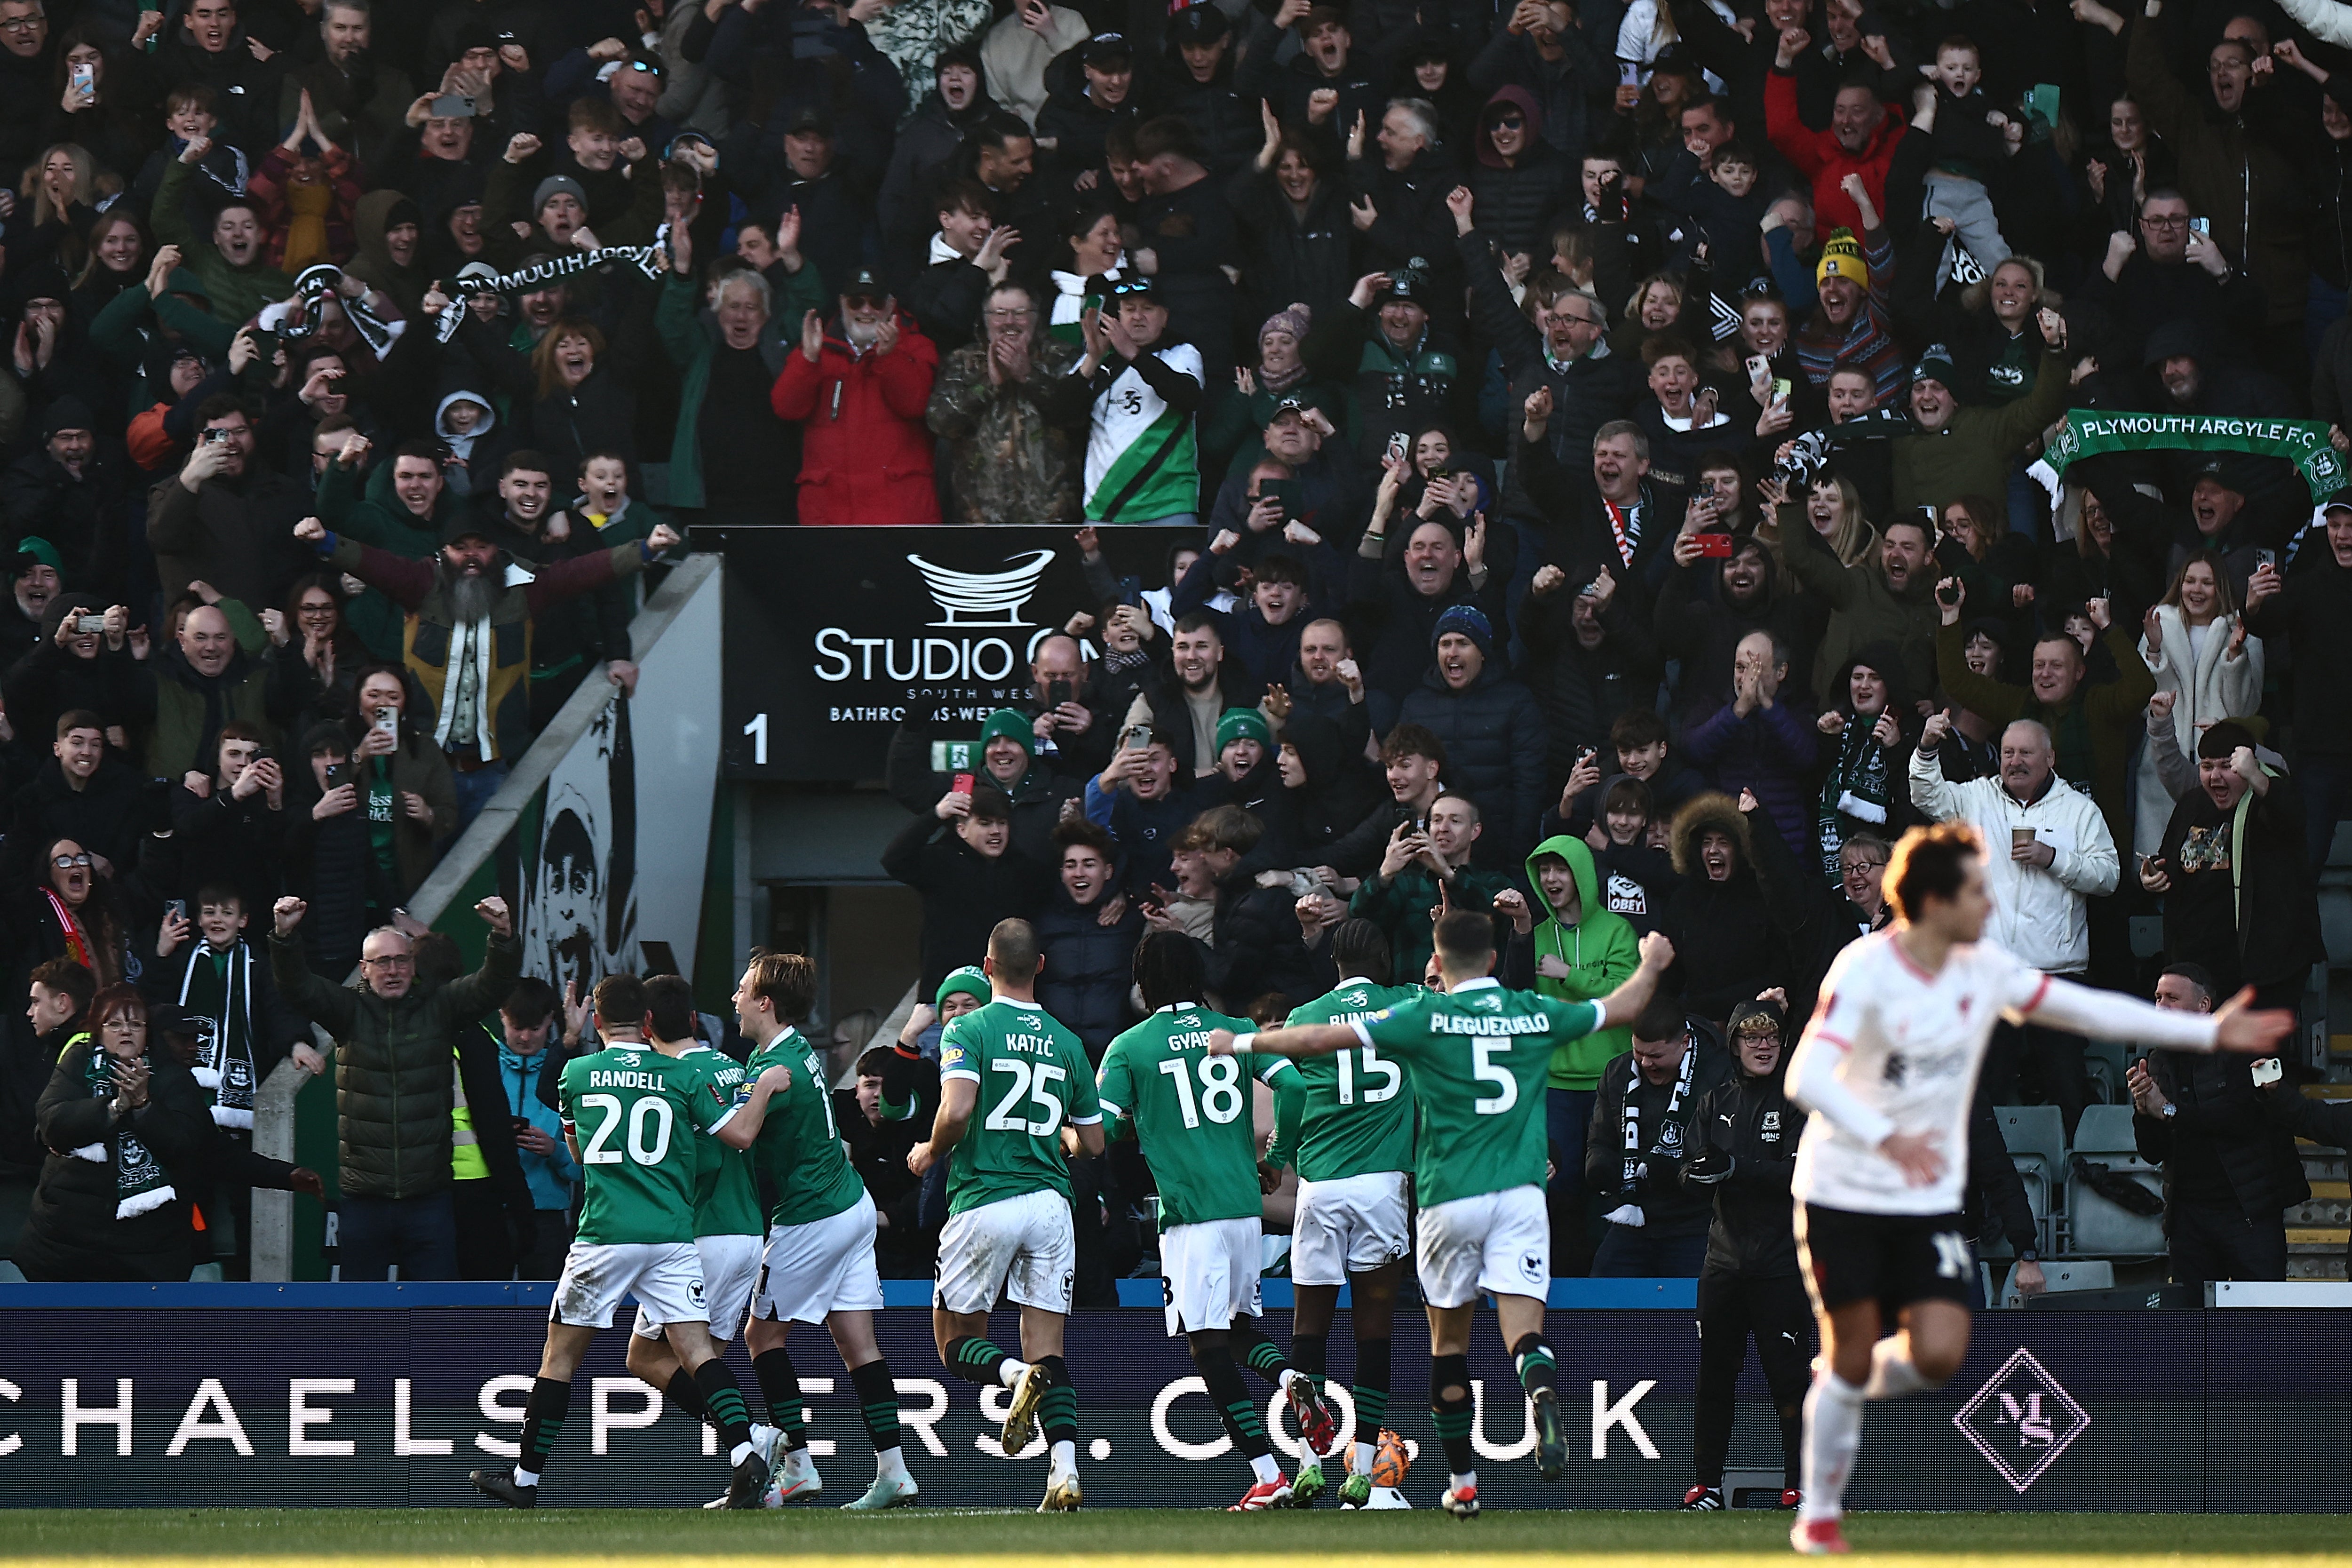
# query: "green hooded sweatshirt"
[1601,951]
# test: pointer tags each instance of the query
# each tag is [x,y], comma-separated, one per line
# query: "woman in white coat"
[2196,642]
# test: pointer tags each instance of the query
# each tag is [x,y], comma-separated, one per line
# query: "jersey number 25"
[1030,1082]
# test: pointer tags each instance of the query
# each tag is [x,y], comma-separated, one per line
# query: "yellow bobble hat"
[1842,258]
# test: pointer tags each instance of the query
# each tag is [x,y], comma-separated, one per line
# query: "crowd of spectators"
[1609,439]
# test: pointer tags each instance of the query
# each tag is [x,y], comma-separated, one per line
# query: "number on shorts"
[1487,1070]
[644,1147]
[1221,1089]
[1951,1254]
[1030,1082]
[1374,1066]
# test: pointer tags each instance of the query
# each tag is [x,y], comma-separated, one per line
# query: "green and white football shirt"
[1141,459]
[1034,1077]
[1358,1116]
[635,1114]
[726,1192]
[1480,1057]
[1190,1111]
[799,1147]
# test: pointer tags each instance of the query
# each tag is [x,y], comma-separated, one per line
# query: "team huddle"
[1413,1117]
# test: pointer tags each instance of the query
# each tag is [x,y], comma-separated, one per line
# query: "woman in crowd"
[131,1144]
[410,803]
[2196,642]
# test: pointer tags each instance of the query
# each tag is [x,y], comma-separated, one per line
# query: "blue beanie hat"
[1471,622]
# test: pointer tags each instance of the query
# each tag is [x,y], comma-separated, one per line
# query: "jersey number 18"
[1221,1089]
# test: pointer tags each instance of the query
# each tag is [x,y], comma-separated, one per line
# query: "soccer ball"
[1390,1461]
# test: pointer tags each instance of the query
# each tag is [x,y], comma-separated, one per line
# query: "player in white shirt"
[1888,1069]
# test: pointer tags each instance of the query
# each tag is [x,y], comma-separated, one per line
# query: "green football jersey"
[635,1114]
[799,1147]
[1190,1111]
[1358,1116]
[1034,1076]
[726,1192]
[1481,1058]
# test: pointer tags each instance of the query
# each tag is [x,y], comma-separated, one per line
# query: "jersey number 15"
[1372,1066]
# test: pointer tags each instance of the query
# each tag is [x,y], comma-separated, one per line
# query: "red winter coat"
[1817,155]
[866,452]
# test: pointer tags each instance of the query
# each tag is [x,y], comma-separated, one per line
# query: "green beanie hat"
[1014,725]
[968,980]
[1242,724]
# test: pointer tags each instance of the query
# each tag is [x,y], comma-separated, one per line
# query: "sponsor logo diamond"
[2021,1420]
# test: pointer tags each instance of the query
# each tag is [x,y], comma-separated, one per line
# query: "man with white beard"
[456,605]
[858,386]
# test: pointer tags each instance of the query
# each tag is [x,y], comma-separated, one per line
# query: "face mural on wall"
[580,920]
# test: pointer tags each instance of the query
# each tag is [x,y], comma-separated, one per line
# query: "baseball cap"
[808,118]
[1107,49]
[1199,24]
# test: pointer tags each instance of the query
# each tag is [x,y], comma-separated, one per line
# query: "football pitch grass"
[1124,1538]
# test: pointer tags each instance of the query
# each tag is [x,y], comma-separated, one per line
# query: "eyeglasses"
[69,862]
[21,24]
[1509,121]
[860,302]
[1854,868]
[392,960]
[317,607]
[1021,313]
[2165,220]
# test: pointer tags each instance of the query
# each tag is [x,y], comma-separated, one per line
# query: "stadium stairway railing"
[273,1113]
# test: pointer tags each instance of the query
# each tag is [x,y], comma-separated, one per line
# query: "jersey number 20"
[1030,1082]
[1221,1089]
[649,1127]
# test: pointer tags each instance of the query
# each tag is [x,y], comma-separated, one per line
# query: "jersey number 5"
[1373,1066]
[1221,1089]
[1486,1069]
[1030,1082]
[649,1143]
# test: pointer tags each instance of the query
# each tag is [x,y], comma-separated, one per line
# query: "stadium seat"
[2036,1138]
[2097,1226]
[2106,1063]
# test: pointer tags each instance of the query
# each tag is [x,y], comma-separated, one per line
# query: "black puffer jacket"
[1743,1152]
[1087,966]
[73,1233]
[2218,1146]
[395,1061]
[1495,749]
[1515,201]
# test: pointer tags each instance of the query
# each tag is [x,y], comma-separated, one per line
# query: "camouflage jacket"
[1015,452]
